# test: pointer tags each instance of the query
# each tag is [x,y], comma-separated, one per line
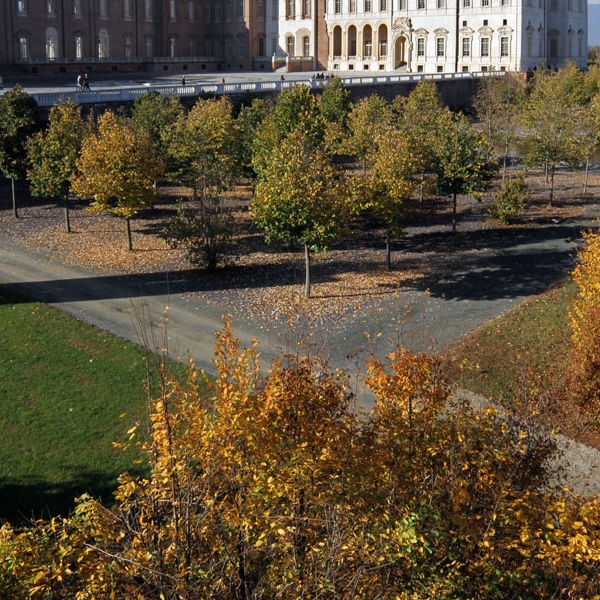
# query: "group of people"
[83,82]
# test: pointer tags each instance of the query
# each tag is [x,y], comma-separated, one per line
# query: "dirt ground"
[351,274]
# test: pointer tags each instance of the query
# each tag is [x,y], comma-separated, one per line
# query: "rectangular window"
[440,46]
[485,47]
[274,45]
[485,3]
[127,10]
[504,46]
[127,45]
[383,48]
[306,8]
[78,8]
[191,14]
[149,47]
[305,46]
[23,47]
[207,12]
[368,6]
[21,7]
[240,10]
[103,9]
[51,7]
[353,6]
[420,4]
[338,7]
[228,10]
[441,3]
[79,47]
[172,11]
[466,3]
[148,13]
[402,4]
[218,12]
[421,47]
[466,46]
[382,5]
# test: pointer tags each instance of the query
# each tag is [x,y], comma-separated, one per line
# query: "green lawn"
[67,392]
[524,351]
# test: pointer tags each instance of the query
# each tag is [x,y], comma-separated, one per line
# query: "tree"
[204,149]
[249,120]
[155,114]
[587,134]
[334,104]
[497,106]
[368,118]
[300,198]
[18,120]
[550,126]
[396,157]
[463,160]
[53,154]
[117,169]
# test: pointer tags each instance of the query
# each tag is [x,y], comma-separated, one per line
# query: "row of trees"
[292,148]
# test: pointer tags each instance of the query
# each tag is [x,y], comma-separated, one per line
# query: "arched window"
[306,46]
[23,44]
[352,37]
[337,41]
[22,7]
[127,46]
[51,44]
[241,46]
[382,36]
[78,39]
[367,41]
[103,44]
[290,46]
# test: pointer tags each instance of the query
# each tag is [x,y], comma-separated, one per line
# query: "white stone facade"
[448,36]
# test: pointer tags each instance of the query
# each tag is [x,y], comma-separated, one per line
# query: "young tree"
[396,157]
[497,106]
[463,160]
[368,118]
[334,104]
[53,154]
[156,114]
[550,126]
[117,169]
[300,198]
[18,120]
[249,120]
[203,147]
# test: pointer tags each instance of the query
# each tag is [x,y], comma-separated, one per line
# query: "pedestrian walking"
[86,82]
[79,86]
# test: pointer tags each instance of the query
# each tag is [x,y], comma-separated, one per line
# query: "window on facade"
[421,46]
[149,46]
[420,4]
[208,47]
[306,8]
[261,9]
[466,3]
[274,45]
[228,46]
[127,46]
[291,5]
[218,6]
[368,6]
[382,5]
[77,8]
[440,46]
[21,7]
[241,47]
[241,10]
[402,4]
[172,10]
[338,7]
[191,13]
[505,2]
[485,3]
[553,47]
[383,48]
[504,46]
[51,44]
[148,14]
[305,46]
[128,10]
[78,46]
[51,7]
[207,12]
[466,46]
[103,9]
[289,42]
[23,43]
[192,46]
[103,44]
[368,51]
[352,6]
[441,3]
[172,47]
[228,10]
[485,46]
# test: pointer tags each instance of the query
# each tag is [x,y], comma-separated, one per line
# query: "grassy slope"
[68,391]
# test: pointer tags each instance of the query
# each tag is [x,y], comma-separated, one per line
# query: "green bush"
[512,199]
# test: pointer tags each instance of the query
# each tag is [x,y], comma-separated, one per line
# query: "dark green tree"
[18,120]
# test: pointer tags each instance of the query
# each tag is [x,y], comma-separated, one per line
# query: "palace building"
[414,36]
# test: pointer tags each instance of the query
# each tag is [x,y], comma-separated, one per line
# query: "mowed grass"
[67,392]
[518,354]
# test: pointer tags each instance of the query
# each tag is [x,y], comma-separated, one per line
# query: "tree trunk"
[14,198]
[454,212]
[388,250]
[307,265]
[129,244]
[585,179]
[67,215]
[552,168]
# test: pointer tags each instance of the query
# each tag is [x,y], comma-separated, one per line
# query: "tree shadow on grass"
[23,502]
